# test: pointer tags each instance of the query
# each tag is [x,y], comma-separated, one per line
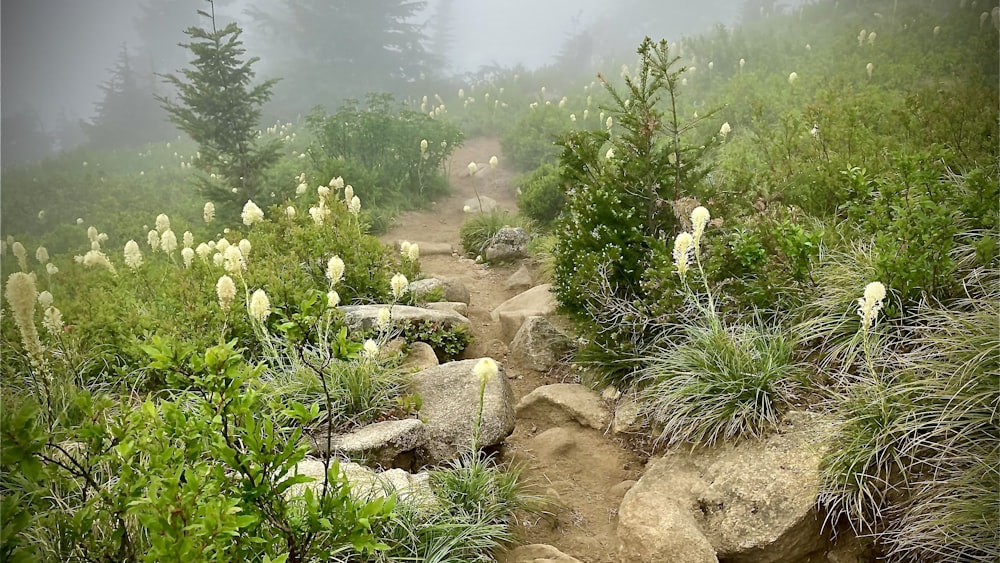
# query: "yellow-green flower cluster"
[871,304]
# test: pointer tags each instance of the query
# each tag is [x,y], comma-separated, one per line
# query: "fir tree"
[220,109]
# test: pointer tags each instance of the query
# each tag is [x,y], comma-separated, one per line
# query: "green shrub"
[915,459]
[533,139]
[378,149]
[541,194]
[719,382]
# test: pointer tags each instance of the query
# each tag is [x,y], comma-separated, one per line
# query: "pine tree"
[127,114]
[219,109]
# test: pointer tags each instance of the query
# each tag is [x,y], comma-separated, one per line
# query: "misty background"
[77,72]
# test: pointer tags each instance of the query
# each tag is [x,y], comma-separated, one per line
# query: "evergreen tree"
[127,113]
[330,50]
[220,109]
[24,138]
[442,32]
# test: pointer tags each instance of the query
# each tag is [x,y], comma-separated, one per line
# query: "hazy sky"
[55,53]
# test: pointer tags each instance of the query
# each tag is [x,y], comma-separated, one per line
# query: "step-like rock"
[561,403]
[380,443]
[363,317]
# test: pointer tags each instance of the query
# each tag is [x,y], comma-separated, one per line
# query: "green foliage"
[719,382]
[541,194]
[478,231]
[378,147]
[619,209]
[220,110]
[447,341]
[533,140]
[915,458]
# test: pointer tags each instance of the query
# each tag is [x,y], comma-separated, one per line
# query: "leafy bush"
[379,148]
[533,139]
[541,194]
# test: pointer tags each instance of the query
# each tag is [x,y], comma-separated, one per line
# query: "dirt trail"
[584,471]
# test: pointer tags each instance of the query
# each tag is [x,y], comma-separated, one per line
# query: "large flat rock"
[363,316]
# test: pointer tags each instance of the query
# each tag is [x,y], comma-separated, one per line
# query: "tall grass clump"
[711,380]
[916,458]
[480,231]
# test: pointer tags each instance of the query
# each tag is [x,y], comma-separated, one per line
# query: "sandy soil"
[584,472]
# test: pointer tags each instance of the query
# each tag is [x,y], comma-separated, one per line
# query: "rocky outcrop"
[654,529]
[521,280]
[537,301]
[363,317]
[539,345]
[538,553]
[509,243]
[419,357]
[456,306]
[432,248]
[412,488]
[450,397]
[449,289]
[381,443]
[753,502]
[561,403]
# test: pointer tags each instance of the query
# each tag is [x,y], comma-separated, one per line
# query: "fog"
[57,54]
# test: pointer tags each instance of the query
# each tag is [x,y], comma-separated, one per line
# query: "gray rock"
[539,345]
[755,501]
[452,290]
[421,356]
[626,418]
[450,396]
[412,489]
[380,443]
[537,301]
[539,553]
[472,204]
[508,243]
[654,529]
[456,306]
[557,404]
[364,316]
[521,280]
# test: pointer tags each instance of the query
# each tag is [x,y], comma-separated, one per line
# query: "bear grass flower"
[473,169]
[494,161]
[337,183]
[251,213]
[42,255]
[792,77]
[414,252]
[323,192]
[203,250]
[133,256]
[225,289]
[168,241]
[610,154]
[45,299]
[209,213]
[188,239]
[233,261]
[153,239]
[245,247]
[162,223]
[398,284]
[21,295]
[290,212]
[260,305]
[332,299]
[187,253]
[335,270]
[51,269]
[870,68]
[371,349]
[52,320]
[682,247]
[355,206]
[404,248]
[725,130]
[423,146]
[871,304]
[699,219]
[98,258]
[22,255]
[301,188]
[485,370]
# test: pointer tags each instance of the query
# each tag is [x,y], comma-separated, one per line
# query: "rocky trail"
[579,467]
[753,501]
